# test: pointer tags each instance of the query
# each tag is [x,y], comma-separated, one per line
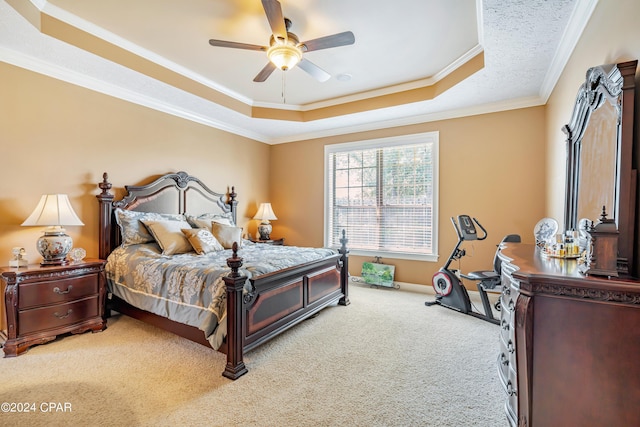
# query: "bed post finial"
[234,204]
[235,262]
[105,199]
[235,367]
[105,185]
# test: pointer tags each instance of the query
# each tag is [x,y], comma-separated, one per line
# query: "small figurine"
[19,257]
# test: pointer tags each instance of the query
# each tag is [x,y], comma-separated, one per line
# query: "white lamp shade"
[53,210]
[265,212]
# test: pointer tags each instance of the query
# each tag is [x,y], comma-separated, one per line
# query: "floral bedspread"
[188,288]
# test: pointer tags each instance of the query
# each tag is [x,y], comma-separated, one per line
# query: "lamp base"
[264,229]
[54,247]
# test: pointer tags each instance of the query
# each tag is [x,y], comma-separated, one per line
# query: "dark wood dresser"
[570,344]
[41,303]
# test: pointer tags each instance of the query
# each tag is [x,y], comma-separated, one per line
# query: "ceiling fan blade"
[317,72]
[335,40]
[236,45]
[273,10]
[265,72]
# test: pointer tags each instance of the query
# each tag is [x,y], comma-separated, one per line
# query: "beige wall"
[506,168]
[60,138]
[491,167]
[611,36]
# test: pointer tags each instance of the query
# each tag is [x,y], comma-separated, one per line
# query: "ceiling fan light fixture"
[285,49]
[284,56]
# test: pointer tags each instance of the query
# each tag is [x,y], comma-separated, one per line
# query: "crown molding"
[576,25]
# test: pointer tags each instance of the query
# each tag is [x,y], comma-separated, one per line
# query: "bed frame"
[275,302]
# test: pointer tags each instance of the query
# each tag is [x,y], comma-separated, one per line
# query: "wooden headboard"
[172,193]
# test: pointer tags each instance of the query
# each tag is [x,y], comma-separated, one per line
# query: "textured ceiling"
[401,47]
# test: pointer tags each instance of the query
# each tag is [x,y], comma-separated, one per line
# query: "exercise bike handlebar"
[481,228]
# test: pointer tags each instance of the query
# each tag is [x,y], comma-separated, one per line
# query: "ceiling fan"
[285,50]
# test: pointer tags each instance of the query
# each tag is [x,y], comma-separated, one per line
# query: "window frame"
[424,137]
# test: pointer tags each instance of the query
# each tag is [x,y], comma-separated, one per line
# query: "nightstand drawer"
[57,291]
[55,316]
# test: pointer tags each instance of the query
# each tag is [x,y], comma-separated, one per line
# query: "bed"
[231,298]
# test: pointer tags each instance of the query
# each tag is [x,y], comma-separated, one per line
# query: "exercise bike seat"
[490,279]
[487,279]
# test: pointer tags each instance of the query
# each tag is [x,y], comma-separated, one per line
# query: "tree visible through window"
[383,193]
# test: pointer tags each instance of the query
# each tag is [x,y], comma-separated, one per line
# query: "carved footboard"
[278,301]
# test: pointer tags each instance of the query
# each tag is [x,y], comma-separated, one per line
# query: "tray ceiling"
[412,61]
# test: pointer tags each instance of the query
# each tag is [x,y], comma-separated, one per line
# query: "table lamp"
[53,211]
[265,213]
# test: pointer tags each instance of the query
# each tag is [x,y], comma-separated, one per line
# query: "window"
[384,194]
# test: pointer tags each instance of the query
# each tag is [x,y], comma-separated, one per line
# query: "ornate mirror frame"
[600,150]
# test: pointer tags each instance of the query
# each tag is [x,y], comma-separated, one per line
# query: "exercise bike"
[450,292]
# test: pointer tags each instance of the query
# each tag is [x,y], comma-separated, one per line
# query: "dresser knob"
[505,360]
[57,290]
[63,316]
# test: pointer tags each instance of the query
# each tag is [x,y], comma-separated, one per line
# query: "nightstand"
[278,242]
[41,303]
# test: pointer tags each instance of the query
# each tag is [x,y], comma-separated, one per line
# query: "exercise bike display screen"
[467,228]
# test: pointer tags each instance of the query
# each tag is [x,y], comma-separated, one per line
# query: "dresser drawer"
[55,316]
[57,291]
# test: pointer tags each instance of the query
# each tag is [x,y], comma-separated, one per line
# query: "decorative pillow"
[132,230]
[205,220]
[169,236]
[226,234]
[202,240]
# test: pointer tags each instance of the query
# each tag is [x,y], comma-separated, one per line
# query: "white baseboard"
[424,289]
[403,286]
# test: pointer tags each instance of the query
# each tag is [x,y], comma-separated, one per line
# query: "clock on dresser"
[41,303]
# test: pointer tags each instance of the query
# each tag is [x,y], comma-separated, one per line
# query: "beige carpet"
[385,360]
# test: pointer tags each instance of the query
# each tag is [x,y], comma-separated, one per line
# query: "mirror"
[599,156]
[597,172]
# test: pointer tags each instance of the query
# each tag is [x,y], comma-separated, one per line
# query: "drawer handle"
[510,347]
[63,316]
[505,325]
[57,290]
[505,360]
[511,391]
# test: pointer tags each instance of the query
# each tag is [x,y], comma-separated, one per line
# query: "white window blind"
[383,193]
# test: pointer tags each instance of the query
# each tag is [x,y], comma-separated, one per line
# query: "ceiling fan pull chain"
[284,87]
